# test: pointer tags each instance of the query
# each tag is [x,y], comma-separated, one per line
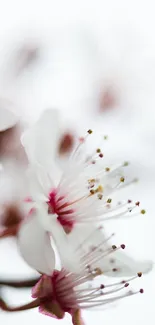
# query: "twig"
[4,306]
[19,284]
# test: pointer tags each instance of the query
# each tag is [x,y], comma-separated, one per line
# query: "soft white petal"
[84,238]
[7,118]
[69,260]
[40,183]
[128,266]
[13,182]
[41,140]
[35,246]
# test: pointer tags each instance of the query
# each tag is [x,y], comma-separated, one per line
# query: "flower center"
[63,291]
[57,205]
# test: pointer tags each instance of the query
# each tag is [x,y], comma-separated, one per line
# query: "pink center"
[62,295]
[62,210]
[55,291]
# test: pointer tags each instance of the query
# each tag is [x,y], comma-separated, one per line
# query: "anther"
[139,274]
[101,155]
[114,246]
[122,179]
[141,290]
[98,150]
[137,203]
[107,169]
[102,286]
[100,189]
[89,131]
[98,271]
[126,285]
[123,246]
[109,200]
[143,211]
[126,163]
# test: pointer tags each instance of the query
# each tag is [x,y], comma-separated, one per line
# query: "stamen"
[81,139]
[125,164]
[98,150]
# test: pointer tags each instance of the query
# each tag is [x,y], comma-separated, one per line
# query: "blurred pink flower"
[10,145]
[108,99]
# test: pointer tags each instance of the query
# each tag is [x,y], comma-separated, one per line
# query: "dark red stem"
[4,306]
[19,284]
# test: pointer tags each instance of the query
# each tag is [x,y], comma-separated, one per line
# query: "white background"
[85,45]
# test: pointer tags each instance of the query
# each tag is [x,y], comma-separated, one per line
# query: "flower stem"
[4,306]
[9,232]
[19,284]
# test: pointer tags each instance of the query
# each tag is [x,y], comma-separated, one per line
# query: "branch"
[4,306]
[19,284]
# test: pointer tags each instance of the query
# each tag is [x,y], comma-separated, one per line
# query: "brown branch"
[4,306]
[19,284]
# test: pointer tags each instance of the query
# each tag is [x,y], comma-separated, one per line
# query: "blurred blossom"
[108,99]
[24,57]
[10,145]
[8,118]
[13,185]
[66,143]
[10,218]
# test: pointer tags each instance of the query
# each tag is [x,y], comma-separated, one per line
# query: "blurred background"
[94,61]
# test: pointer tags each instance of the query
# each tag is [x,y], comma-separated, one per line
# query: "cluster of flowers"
[66,202]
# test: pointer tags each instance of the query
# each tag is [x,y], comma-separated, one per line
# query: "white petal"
[7,118]
[41,140]
[128,266]
[13,182]
[35,246]
[40,183]
[86,237]
[69,260]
